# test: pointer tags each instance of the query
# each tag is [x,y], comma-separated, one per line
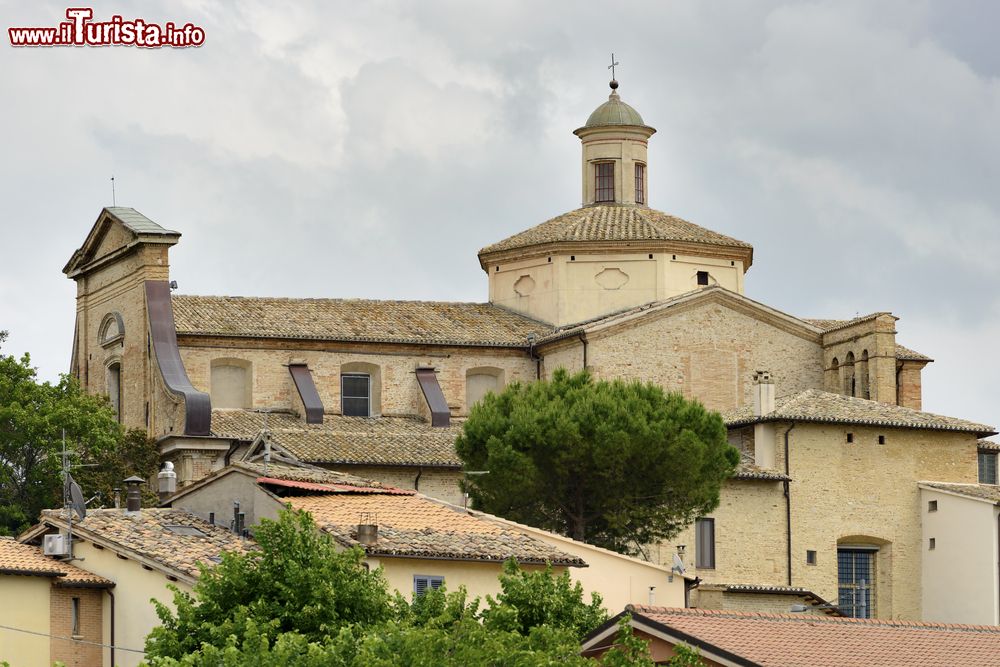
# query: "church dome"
[614,112]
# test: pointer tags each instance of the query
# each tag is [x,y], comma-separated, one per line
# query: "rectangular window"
[423,583]
[987,467]
[881,440]
[932,506]
[850,437]
[932,543]
[355,395]
[703,277]
[640,184]
[705,543]
[76,617]
[856,582]
[810,557]
[605,190]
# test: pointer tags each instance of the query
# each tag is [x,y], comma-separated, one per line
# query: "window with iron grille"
[987,467]
[640,184]
[605,172]
[423,583]
[355,394]
[856,582]
[704,543]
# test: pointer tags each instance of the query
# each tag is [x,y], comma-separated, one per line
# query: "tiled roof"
[906,354]
[306,473]
[616,224]
[750,471]
[988,444]
[830,325]
[175,539]
[989,492]
[17,558]
[813,405]
[758,589]
[347,440]
[415,526]
[416,322]
[793,640]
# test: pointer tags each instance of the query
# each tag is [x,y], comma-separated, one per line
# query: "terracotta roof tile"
[611,223]
[989,492]
[416,526]
[307,473]
[988,444]
[175,539]
[747,470]
[831,325]
[906,354]
[416,322]
[813,405]
[793,640]
[26,559]
[348,440]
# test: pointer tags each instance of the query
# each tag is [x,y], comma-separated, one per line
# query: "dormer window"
[640,184]
[605,184]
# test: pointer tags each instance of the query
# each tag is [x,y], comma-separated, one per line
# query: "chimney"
[763,393]
[168,480]
[133,497]
[368,529]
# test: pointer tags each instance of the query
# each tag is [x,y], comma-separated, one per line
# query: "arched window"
[479,382]
[850,385]
[231,384]
[360,389]
[863,380]
[114,379]
[112,330]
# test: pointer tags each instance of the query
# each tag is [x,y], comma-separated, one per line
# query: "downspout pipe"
[788,509]
[583,339]
[111,640]
[534,356]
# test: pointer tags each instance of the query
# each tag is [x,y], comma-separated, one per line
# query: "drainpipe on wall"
[583,339]
[788,509]
[533,355]
[111,640]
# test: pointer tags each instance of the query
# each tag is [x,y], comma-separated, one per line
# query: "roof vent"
[168,480]
[368,529]
[133,497]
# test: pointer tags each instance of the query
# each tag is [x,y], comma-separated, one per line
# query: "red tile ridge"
[648,610]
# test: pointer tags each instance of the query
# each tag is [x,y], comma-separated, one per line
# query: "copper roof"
[361,320]
[793,640]
[401,441]
[615,224]
[416,526]
[175,539]
[814,405]
[26,559]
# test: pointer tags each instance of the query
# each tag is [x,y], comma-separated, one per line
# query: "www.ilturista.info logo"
[80,30]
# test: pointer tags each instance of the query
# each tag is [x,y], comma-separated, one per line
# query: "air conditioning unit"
[55,545]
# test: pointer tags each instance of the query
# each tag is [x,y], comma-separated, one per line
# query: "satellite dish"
[678,565]
[76,500]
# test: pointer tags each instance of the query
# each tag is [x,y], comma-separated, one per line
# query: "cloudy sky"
[369,149]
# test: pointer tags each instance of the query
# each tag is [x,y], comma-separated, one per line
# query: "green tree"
[299,601]
[617,464]
[297,581]
[33,417]
[532,599]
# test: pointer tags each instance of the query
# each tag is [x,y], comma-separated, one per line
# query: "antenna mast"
[114,202]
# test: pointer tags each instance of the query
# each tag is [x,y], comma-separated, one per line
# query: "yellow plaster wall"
[134,614]
[480,579]
[24,603]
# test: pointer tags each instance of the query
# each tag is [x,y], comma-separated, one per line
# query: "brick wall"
[74,653]
[436,483]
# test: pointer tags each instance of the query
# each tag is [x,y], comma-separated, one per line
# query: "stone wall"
[440,483]
[859,493]
[400,393]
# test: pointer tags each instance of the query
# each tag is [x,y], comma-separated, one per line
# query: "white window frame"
[423,582]
[368,377]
